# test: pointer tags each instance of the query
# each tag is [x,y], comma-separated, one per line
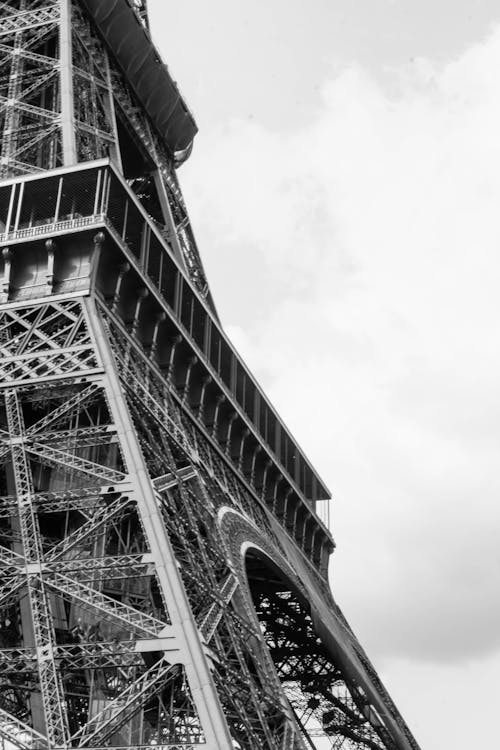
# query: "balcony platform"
[68,207]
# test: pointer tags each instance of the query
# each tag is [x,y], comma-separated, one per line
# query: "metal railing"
[96,195]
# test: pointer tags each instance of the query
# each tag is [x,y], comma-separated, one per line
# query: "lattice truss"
[44,342]
[78,589]
[325,706]
[93,98]
[30,88]
[80,592]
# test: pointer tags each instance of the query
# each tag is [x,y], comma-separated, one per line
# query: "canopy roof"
[148,75]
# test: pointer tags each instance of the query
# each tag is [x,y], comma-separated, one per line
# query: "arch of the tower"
[324,681]
[327,704]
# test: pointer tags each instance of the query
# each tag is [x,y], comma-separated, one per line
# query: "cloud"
[447,711]
[356,262]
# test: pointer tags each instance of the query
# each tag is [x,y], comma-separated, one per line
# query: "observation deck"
[140,279]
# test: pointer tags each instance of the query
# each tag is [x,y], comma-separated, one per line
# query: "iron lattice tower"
[163,559]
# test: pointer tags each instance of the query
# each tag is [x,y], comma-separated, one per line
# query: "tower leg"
[195,659]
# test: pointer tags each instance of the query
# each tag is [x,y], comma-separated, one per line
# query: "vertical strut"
[9,138]
[43,628]
[66,78]
[200,679]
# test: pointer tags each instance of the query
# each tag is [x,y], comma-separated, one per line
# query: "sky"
[344,189]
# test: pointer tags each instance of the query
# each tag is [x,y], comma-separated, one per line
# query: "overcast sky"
[345,192]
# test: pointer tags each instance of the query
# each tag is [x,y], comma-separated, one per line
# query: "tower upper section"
[81,80]
[70,72]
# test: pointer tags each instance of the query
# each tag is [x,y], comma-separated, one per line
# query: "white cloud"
[370,244]
[452,705]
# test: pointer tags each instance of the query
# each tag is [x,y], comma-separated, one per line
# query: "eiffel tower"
[164,542]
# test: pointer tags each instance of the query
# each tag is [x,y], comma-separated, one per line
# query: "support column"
[173,239]
[66,84]
[11,121]
[52,692]
[196,663]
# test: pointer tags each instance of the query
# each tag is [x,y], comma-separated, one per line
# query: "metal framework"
[164,541]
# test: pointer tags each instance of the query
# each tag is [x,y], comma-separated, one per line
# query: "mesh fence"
[39,202]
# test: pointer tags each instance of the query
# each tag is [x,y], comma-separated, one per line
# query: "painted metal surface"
[163,566]
[146,72]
